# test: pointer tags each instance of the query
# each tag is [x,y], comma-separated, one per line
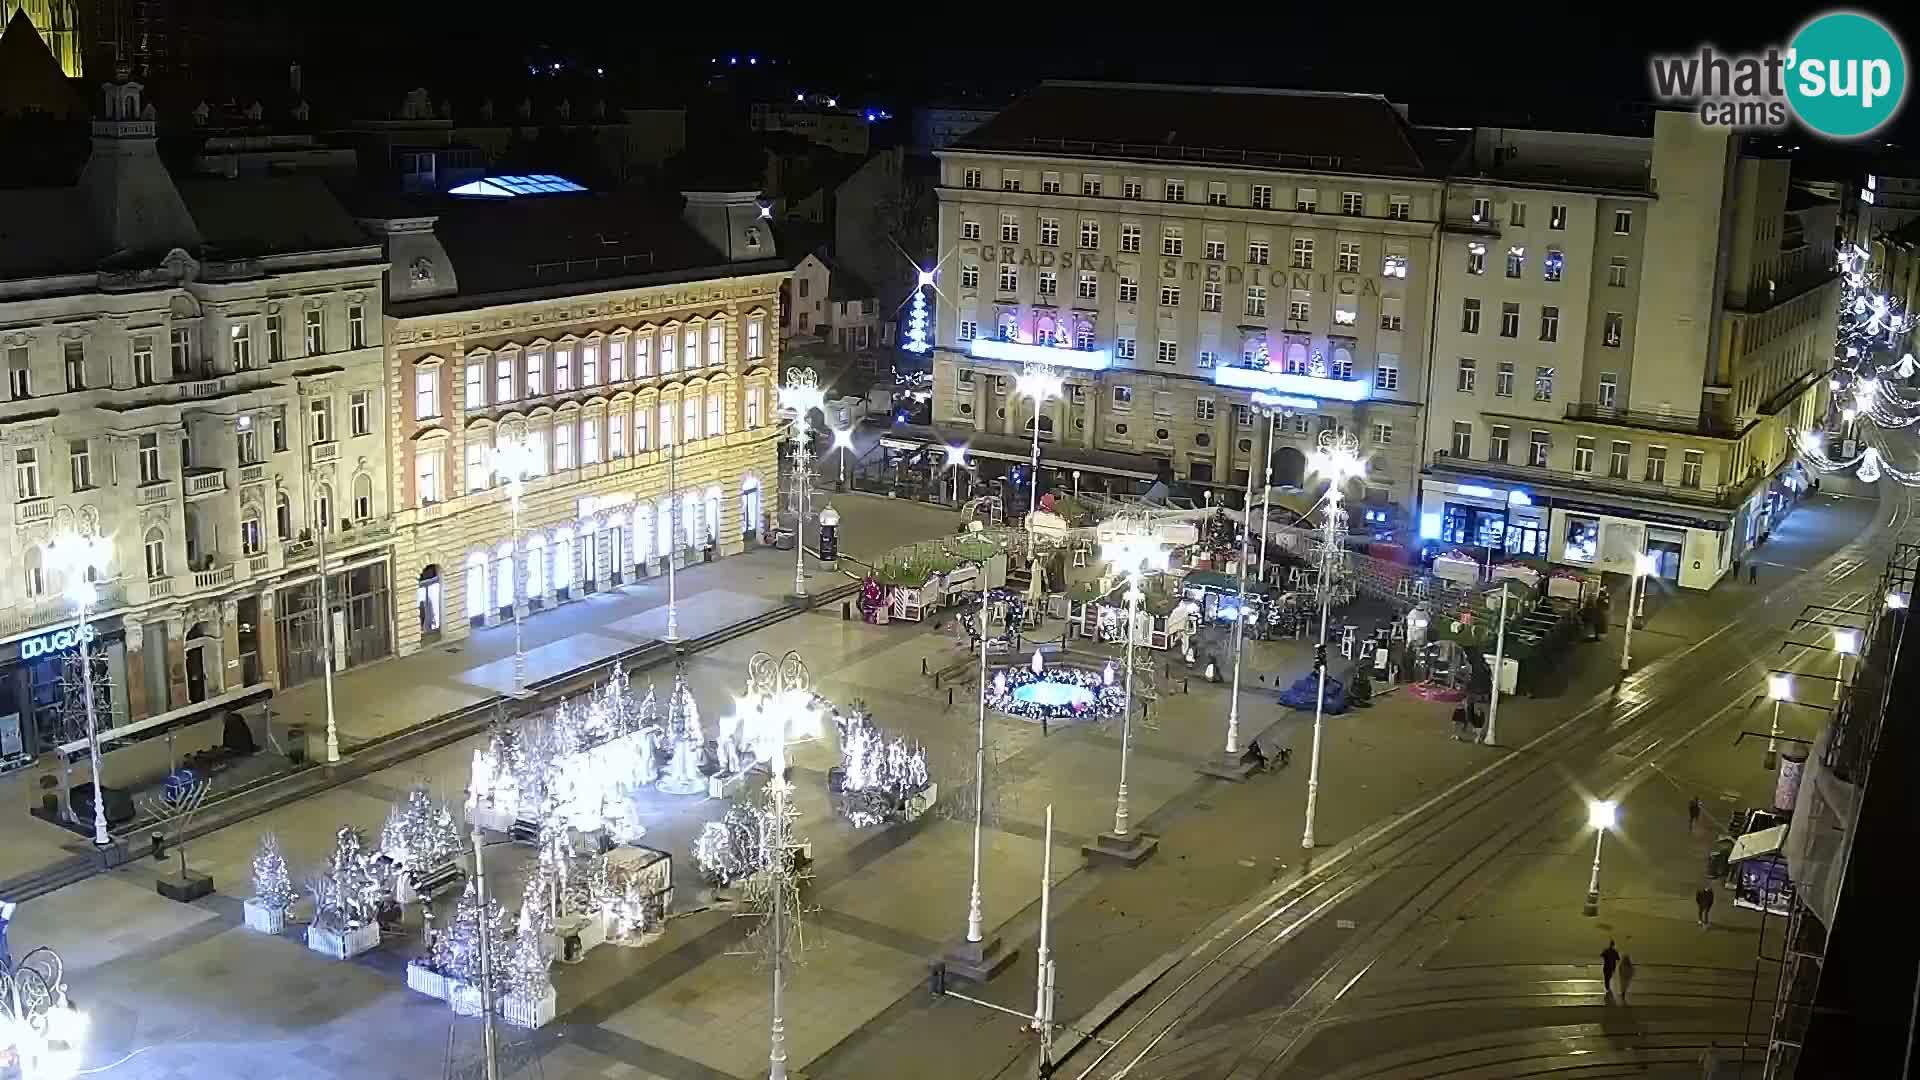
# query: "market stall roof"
[1758,843]
[1018,449]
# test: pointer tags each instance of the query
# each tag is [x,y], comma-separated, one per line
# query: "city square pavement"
[183,990]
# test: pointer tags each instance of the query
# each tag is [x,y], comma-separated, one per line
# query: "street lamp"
[1779,688]
[1845,643]
[956,459]
[1499,669]
[81,560]
[1601,815]
[1643,565]
[1239,624]
[1338,460]
[1896,601]
[1040,383]
[800,396]
[515,460]
[843,442]
[1134,554]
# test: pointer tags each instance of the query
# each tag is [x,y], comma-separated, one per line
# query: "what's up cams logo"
[1843,76]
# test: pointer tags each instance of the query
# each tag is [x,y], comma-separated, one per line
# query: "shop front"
[1502,520]
[37,712]
[360,599]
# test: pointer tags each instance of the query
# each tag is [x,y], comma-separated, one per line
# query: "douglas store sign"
[55,641]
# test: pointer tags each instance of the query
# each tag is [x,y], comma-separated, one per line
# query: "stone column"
[269,636]
[228,676]
[134,693]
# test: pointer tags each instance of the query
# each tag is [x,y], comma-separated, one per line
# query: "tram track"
[1643,723]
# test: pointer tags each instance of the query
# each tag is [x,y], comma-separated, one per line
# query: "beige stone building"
[638,364]
[1174,250]
[1626,328]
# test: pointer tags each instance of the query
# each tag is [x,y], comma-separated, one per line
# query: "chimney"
[736,223]
[293,78]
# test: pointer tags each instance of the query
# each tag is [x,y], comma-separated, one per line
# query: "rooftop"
[514,185]
[1358,133]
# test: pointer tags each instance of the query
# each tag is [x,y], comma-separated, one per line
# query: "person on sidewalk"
[1626,977]
[1753,573]
[1609,960]
[1704,901]
[1693,813]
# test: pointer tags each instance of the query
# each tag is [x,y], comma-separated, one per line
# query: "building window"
[1090,186]
[1259,252]
[1392,312]
[563,445]
[80,463]
[74,353]
[1088,286]
[1216,194]
[1090,234]
[276,345]
[1483,210]
[1539,446]
[1009,229]
[1517,214]
[617,360]
[477,449]
[1386,373]
[1169,352]
[643,352]
[1171,241]
[1617,460]
[1553,265]
[363,497]
[503,380]
[970,179]
[316,331]
[1306,200]
[1557,217]
[1656,464]
[143,372]
[155,548]
[1516,261]
[360,411]
[1132,188]
[1691,463]
[1617,271]
[1174,191]
[1503,380]
[1210,296]
[1622,222]
[253,539]
[1206,358]
[537,372]
[1303,253]
[1009,181]
[1352,203]
[1125,348]
[282,516]
[969,329]
[1462,439]
[1009,278]
[1049,232]
[1609,389]
[1611,331]
[756,338]
[1049,284]
[427,467]
[426,394]
[1583,454]
[1122,398]
[1299,306]
[1203,410]
[1129,290]
[320,417]
[357,326]
[1549,324]
[1464,380]
[279,429]
[1260,197]
[590,356]
[1050,183]
[1130,238]
[1469,316]
[1510,320]
[26,474]
[969,230]
[1499,436]
[149,455]
[1382,433]
[476,385]
[1256,300]
[692,360]
[1169,296]
[1399,208]
[1349,262]
[1083,337]
[617,434]
[180,349]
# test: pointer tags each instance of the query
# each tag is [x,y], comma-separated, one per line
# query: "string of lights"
[1868,396]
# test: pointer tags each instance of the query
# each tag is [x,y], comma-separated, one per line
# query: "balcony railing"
[53,610]
[320,453]
[253,474]
[259,564]
[158,491]
[296,550]
[159,588]
[214,578]
[1682,423]
[33,511]
[209,482]
[1723,496]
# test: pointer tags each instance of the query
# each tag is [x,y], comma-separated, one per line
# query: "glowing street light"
[1779,689]
[514,459]
[1896,601]
[1845,643]
[843,442]
[800,396]
[1337,460]
[1643,565]
[1239,625]
[1039,383]
[38,1022]
[81,561]
[1134,555]
[1602,814]
[956,460]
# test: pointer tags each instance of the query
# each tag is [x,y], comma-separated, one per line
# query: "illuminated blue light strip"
[1246,378]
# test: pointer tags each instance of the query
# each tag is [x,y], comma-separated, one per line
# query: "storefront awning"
[1758,844]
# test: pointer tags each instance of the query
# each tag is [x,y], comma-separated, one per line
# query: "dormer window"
[753,237]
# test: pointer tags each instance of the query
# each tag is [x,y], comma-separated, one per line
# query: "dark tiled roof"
[47,231]
[1361,133]
[30,78]
[249,217]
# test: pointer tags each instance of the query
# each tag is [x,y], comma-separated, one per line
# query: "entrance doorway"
[203,661]
[426,595]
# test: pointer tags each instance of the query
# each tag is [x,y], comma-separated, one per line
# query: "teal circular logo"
[1847,74]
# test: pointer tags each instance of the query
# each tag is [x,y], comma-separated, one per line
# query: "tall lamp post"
[800,396]
[1039,383]
[1133,554]
[1601,814]
[320,529]
[81,560]
[1642,566]
[843,442]
[1232,763]
[513,459]
[956,460]
[673,540]
[1338,460]
[1779,689]
[1845,643]
[1499,670]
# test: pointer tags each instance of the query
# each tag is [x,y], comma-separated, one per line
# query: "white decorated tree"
[455,952]
[686,742]
[272,885]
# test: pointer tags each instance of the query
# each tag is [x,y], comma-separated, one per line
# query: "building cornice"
[474,304]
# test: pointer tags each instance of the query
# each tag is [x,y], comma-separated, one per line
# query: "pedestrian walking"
[1704,901]
[1626,976]
[1693,813]
[1609,960]
[1753,573]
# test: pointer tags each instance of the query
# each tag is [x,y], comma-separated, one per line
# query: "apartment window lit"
[428,464]
[1499,437]
[1692,463]
[969,230]
[1503,380]
[1090,234]
[80,463]
[1399,208]
[1009,278]
[1543,384]
[1553,265]
[1462,439]
[1216,194]
[1049,232]
[1509,320]
[1050,183]
[316,331]
[1622,222]
[1557,217]
[26,474]
[357,326]
[143,371]
[1656,464]
[1352,203]
[1344,313]
[1469,316]
[149,458]
[1539,446]
[1169,296]
[276,346]
[426,393]
[1260,197]
[1617,271]
[1516,261]
[1303,253]
[970,179]
[1464,380]
[1129,290]
[1549,324]
[1090,186]
[1132,188]
[180,349]
[1349,259]
[1130,238]
[1394,263]
[1174,191]
[1609,389]
[1617,460]
[1009,229]
[1172,242]
[1583,454]
[1476,258]
[1612,330]
[1306,200]
[1049,284]
[1260,253]
[1483,210]
[1257,300]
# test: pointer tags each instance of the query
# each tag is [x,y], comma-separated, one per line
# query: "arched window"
[643,536]
[156,551]
[562,558]
[282,516]
[477,585]
[749,506]
[716,411]
[1296,359]
[363,497]
[690,517]
[536,566]
[253,539]
[690,415]
[713,513]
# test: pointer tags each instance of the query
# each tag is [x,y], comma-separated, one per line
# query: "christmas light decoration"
[917,316]
[272,886]
[1871,365]
[1056,693]
[878,774]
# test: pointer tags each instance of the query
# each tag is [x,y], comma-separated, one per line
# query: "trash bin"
[297,745]
[1717,864]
